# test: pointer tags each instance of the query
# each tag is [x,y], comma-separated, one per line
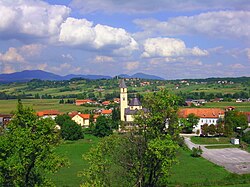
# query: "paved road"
[233,159]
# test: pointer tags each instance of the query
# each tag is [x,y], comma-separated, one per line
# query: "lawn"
[189,171]
[7,106]
[221,146]
[199,172]
[210,140]
[73,150]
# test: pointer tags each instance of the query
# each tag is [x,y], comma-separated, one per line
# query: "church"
[128,110]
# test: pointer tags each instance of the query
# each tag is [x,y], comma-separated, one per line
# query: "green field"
[210,140]
[7,106]
[244,106]
[73,150]
[189,171]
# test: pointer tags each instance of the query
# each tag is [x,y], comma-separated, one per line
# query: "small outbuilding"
[235,141]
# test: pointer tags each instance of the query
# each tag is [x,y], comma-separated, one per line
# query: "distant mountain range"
[28,75]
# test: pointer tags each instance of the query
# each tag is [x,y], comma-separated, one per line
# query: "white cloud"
[81,32]
[169,47]
[31,17]
[248,53]
[145,6]
[67,57]
[8,69]
[221,24]
[132,65]
[104,59]
[12,55]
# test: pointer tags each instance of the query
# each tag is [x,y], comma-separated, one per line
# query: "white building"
[207,116]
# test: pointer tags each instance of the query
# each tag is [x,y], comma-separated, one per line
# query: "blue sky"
[169,38]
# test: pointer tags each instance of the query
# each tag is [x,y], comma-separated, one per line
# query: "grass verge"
[73,150]
[210,140]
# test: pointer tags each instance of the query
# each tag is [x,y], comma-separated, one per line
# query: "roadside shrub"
[196,152]
[246,137]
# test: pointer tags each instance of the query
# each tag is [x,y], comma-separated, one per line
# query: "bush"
[196,152]
[246,137]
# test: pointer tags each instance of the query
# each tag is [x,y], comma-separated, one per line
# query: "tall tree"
[234,121]
[143,156]
[27,150]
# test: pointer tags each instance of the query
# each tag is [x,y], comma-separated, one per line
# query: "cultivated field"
[8,106]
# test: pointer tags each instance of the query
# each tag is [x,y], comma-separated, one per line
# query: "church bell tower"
[123,99]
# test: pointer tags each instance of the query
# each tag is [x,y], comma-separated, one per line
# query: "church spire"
[122,84]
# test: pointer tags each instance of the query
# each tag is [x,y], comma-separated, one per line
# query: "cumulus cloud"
[104,59]
[169,47]
[12,55]
[146,6]
[31,17]
[132,65]
[219,24]
[81,32]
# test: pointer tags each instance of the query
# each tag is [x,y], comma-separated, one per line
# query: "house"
[82,119]
[5,119]
[117,100]
[48,114]
[106,112]
[207,116]
[105,103]
[84,101]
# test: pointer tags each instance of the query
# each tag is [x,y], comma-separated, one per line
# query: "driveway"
[233,159]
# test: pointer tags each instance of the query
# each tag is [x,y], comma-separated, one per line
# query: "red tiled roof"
[106,111]
[95,116]
[84,116]
[83,101]
[48,113]
[201,112]
[106,102]
[72,114]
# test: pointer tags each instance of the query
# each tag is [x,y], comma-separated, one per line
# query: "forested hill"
[28,75]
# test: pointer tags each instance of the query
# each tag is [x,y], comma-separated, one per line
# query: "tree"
[234,121]
[143,156]
[204,129]
[26,148]
[70,130]
[189,123]
[211,129]
[102,127]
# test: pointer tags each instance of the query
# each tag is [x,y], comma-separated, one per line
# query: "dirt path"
[233,159]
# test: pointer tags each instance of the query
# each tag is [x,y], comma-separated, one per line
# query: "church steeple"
[123,99]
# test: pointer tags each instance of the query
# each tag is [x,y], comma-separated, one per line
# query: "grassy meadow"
[7,106]
[244,106]
[189,171]
[73,150]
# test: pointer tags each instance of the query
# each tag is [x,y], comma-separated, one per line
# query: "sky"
[173,39]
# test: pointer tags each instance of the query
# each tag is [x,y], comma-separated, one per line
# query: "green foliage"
[143,156]
[70,130]
[196,152]
[189,123]
[27,150]
[234,121]
[102,127]
[246,137]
